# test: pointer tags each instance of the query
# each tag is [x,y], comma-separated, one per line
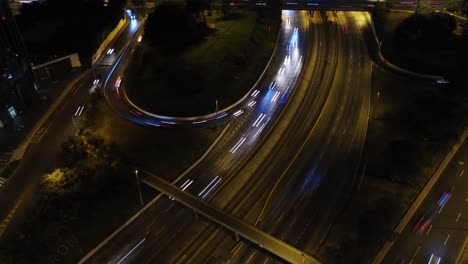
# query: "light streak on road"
[275,97]
[238,113]
[255,93]
[259,120]
[272,85]
[186,186]
[152,123]
[238,144]
[252,103]
[185,183]
[212,188]
[130,252]
[260,130]
[168,122]
[281,71]
[222,115]
[78,110]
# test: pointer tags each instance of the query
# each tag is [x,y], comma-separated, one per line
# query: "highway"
[444,235]
[239,227]
[311,150]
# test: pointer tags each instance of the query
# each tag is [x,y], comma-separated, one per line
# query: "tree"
[60,182]
[425,30]
[171,27]
[196,7]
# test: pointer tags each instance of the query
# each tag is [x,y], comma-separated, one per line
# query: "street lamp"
[138,186]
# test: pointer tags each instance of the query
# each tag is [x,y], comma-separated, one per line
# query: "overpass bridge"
[236,225]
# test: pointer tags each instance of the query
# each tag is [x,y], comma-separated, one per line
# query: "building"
[17,84]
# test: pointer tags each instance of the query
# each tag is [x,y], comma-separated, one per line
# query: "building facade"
[17,84]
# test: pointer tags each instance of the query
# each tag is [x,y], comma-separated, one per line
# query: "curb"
[388,65]
[422,195]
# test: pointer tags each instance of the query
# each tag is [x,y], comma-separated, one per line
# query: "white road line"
[448,236]
[458,217]
[429,230]
[238,113]
[461,173]
[417,250]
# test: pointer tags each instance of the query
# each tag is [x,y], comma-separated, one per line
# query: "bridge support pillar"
[237,237]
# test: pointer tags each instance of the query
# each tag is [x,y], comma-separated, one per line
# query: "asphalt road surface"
[443,229]
[287,171]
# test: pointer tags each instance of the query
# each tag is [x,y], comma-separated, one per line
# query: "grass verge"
[222,68]
[421,59]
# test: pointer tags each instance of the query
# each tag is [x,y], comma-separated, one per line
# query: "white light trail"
[259,119]
[252,103]
[212,188]
[275,97]
[168,122]
[238,144]
[186,186]
[185,183]
[255,93]
[208,186]
[222,115]
[199,122]
[238,113]
[259,130]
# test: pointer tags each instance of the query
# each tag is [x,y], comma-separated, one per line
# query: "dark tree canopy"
[425,31]
[172,27]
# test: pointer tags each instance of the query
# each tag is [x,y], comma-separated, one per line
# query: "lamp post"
[138,186]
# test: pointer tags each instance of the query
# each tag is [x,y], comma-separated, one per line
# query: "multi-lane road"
[443,229]
[288,161]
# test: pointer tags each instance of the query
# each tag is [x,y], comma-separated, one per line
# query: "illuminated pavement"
[312,151]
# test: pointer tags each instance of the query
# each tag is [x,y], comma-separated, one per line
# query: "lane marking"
[458,217]
[429,230]
[461,173]
[417,250]
[448,236]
